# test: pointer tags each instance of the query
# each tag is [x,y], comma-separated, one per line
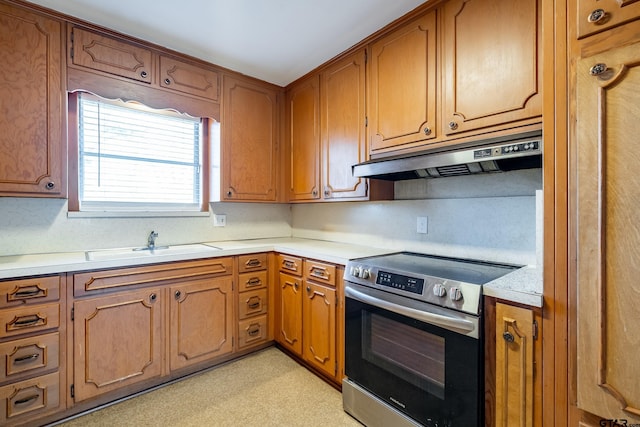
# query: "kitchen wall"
[494,217]
[491,217]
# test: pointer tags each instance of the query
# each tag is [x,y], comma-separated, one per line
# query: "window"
[133,158]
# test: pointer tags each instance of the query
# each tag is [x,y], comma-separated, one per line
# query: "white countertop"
[522,286]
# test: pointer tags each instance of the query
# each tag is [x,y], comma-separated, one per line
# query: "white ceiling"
[273,40]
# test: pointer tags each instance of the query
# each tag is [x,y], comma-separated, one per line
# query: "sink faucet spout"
[151,241]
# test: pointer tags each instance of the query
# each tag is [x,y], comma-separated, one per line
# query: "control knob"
[365,273]
[455,294]
[355,271]
[439,290]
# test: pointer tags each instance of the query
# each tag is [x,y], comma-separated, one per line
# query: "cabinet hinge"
[73,391]
[366,121]
[535,329]
[73,313]
[71,50]
[366,56]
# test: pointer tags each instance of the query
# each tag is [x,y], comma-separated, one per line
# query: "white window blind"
[135,158]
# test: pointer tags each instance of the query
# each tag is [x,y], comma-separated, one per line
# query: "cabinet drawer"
[252,303]
[320,272]
[29,319]
[112,279]
[27,399]
[184,77]
[29,356]
[252,262]
[32,290]
[290,264]
[112,56]
[251,281]
[252,331]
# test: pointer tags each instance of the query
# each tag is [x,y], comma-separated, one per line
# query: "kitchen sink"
[145,252]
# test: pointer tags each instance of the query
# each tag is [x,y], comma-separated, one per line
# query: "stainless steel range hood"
[521,153]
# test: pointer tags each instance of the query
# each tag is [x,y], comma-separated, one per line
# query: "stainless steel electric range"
[413,339]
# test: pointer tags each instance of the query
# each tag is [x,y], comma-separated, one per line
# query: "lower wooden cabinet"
[512,380]
[201,326]
[29,399]
[307,314]
[118,341]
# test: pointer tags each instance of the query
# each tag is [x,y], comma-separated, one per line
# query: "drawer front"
[188,78]
[89,281]
[29,356]
[27,399]
[253,262]
[252,331]
[109,55]
[251,281]
[29,319]
[290,264]
[33,290]
[320,272]
[252,303]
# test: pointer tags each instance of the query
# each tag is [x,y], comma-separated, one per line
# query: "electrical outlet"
[219,220]
[422,225]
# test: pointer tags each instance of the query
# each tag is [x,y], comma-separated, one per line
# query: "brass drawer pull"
[29,292]
[255,304]
[291,265]
[26,399]
[254,281]
[253,330]
[253,262]
[28,321]
[26,358]
[319,272]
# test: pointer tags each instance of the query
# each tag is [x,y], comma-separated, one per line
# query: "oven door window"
[425,371]
[412,354]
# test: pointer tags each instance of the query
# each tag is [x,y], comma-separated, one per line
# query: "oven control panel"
[398,281]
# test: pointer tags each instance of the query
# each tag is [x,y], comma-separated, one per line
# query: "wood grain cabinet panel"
[607,157]
[253,331]
[187,78]
[32,141]
[289,320]
[29,356]
[22,402]
[491,64]
[249,141]
[402,86]
[32,290]
[201,325]
[118,341]
[110,55]
[319,327]
[595,16]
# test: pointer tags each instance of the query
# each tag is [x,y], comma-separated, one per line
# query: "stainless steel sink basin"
[144,252]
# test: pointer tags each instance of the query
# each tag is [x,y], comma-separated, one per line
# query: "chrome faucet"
[151,241]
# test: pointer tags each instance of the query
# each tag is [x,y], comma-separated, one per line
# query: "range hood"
[521,153]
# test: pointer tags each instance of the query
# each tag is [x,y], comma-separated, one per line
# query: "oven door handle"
[425,316]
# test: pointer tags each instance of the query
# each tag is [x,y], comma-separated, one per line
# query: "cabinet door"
[32,148]
[608,189]
[201,325]
[110,55]
[249,141]
[514,366]
[343,127]
[289,319]
[491,63]
[118,341]
[304,140]
[402,87]
[187,78]
[319,327]
[599,15]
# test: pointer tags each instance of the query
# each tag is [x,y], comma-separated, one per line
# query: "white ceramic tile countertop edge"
[522,286]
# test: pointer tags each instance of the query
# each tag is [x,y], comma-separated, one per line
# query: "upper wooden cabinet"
[599,15]
[605,158]
[402,86]
[125,59]
[32,140]
[249,133]
[303,106]
[491,64]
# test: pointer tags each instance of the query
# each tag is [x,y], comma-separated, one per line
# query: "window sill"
[137,214]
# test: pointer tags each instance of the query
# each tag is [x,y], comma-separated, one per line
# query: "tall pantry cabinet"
[32,141]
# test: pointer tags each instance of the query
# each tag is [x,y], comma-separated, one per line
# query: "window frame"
[74,205]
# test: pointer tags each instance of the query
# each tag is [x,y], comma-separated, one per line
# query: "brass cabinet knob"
[597,16]
[453,125]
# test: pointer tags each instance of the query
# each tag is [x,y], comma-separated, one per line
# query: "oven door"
[424,361]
